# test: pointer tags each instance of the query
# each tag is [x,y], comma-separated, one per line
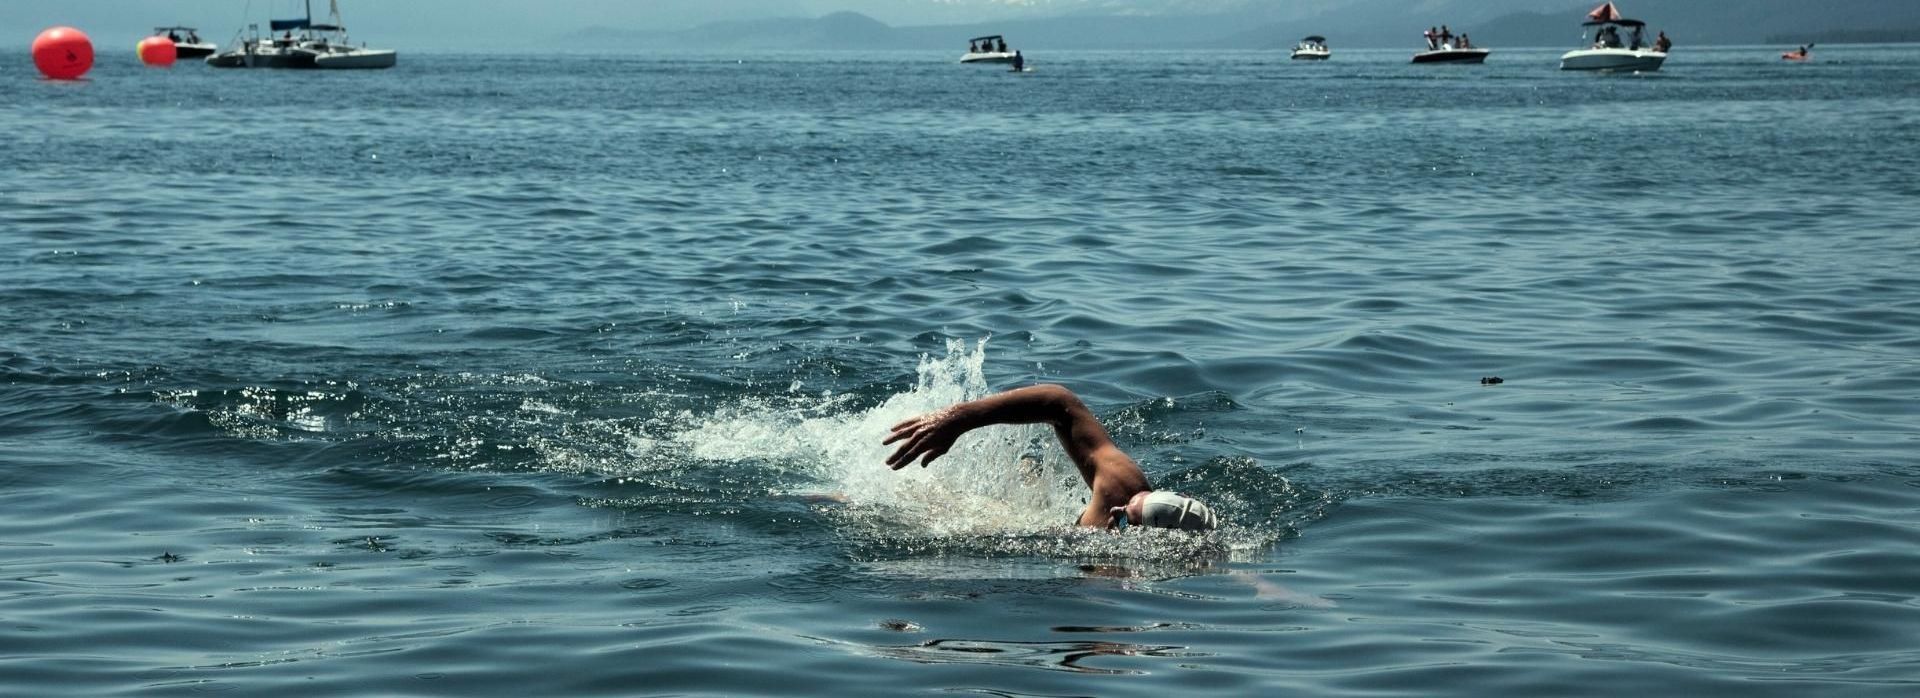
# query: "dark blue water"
[545,375]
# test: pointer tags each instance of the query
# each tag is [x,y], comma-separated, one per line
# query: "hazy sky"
[457,22]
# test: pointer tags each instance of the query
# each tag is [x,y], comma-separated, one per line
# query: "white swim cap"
[1173,510]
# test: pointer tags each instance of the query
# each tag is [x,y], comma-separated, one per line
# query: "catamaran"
[1606,51]
[317,46]
[252,50]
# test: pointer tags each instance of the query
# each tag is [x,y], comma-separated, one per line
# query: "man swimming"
[1121,495]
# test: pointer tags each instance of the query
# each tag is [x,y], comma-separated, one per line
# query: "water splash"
[997,480]
[1001,491]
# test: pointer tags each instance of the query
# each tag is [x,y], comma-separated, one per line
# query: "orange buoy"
[157,51]
[62,53]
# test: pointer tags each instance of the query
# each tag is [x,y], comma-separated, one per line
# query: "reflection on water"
[1076,657]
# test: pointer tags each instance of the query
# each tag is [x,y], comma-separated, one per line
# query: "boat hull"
[309,56]
[1613,60]
[988,57]
[361,59]
[1453,55]
[261,59]
[1312,55]
[186,50]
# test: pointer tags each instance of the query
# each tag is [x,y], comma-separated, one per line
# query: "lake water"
[566,375]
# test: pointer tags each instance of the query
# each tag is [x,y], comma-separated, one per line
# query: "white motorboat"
[1606,51]
[1312,48]
[1450,54]
[1613,59]
[987,49]
[187,42]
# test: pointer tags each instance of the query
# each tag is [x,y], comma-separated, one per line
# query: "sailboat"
[317,46]
[252,50]
[331,48]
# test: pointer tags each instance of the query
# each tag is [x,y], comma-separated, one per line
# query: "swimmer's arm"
[929,436]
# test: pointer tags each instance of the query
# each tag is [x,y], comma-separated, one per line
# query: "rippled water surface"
[544,375]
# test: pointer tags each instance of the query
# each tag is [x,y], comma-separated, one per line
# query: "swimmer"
[1121,495]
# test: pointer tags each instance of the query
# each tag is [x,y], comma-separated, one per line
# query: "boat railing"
[243,38]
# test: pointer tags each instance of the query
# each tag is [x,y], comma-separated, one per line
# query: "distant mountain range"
[1357,24]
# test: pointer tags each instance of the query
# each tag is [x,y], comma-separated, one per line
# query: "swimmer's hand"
[926,437]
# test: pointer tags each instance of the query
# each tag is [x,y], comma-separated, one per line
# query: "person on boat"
[1662,43]
[1433,38]
[1464,41]
[1120,493]
[1446,37]
[1019,62]
[173,36]
[1003,45]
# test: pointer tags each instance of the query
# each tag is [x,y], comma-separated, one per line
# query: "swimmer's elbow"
[1056,392]
[1065,404]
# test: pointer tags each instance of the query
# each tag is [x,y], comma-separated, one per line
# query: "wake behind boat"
[1607,52]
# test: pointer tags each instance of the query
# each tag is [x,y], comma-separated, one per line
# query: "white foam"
[999,479]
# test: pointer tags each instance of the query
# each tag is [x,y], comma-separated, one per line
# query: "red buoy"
[157,51]
[63,53]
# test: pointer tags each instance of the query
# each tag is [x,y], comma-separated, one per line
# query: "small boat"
[987,49]
[1312,48]
[1606,52]
[1450,54]
[187,42]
